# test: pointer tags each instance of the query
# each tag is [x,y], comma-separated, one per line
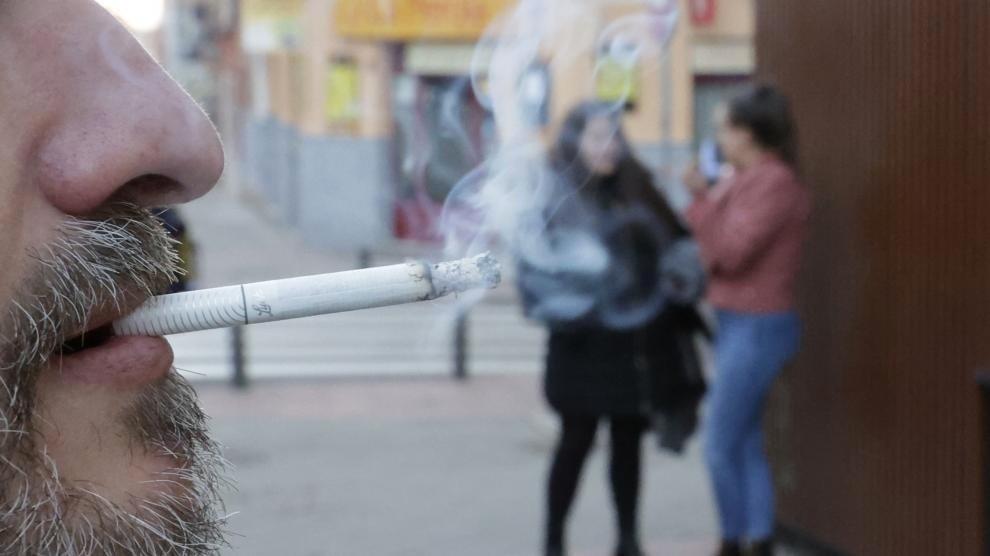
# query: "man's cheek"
[28,224]
[11,247]
[11,222]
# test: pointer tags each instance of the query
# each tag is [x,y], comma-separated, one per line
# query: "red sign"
[702,11]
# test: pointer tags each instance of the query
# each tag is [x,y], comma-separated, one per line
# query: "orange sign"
[416,19]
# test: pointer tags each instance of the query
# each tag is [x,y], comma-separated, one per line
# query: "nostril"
[151,190]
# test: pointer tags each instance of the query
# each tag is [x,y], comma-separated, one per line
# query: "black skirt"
[594,372]
[599,372]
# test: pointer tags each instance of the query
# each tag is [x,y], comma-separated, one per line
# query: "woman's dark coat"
[651,370]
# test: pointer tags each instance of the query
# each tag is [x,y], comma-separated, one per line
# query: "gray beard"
[98,263]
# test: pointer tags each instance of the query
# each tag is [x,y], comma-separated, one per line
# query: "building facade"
[361,116]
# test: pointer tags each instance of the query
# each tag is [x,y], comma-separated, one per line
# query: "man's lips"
[98,327]
[97,356]
[88,340]
[121,361]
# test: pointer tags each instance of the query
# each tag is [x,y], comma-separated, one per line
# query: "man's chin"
[105,454]
[80,519]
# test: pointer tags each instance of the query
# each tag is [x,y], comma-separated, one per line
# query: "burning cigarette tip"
[457,276]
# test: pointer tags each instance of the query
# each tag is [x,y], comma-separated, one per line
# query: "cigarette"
[307,296]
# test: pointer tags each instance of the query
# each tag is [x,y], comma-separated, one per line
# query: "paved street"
[425,466]
[353,439]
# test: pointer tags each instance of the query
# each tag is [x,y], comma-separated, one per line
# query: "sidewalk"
[236,244]
[427,467]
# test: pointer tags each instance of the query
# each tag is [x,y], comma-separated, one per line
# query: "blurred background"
[422,429]
[409,430]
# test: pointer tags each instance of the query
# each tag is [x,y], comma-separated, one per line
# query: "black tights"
[576,437]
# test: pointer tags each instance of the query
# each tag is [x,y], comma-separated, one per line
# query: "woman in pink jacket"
[750,228]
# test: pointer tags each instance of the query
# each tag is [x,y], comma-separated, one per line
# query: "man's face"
[103,449]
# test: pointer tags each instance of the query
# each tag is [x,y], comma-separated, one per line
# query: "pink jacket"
[751,229]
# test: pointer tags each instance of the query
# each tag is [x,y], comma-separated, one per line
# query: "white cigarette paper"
[307,296]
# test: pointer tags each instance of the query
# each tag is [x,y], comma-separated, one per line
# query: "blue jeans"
[750,351]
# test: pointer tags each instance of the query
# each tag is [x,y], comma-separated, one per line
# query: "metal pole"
[364,258]
[240,378]
[983,379]
[461,345]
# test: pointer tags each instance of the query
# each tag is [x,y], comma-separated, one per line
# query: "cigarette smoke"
[506,203]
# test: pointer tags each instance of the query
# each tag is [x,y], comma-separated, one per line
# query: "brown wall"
[876,432]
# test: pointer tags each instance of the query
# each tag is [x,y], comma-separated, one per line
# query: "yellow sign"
[343,100]
[271,10]
[617,81]
[416,19]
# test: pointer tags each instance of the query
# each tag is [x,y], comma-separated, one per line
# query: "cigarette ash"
[490,270]
[483,271]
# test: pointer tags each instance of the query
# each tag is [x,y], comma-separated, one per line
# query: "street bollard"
[461,345]
[240,378]
[364,258]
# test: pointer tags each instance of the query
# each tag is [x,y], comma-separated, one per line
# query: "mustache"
[96,263]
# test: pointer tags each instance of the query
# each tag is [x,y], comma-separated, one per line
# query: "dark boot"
[729,548]
[761,548]
[629,546]
[554,544]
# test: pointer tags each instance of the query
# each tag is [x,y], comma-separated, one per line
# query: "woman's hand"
[694,180]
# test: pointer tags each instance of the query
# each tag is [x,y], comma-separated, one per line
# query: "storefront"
[440,129]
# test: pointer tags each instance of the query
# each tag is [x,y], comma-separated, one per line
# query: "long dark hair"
[766,113]
[634,183]
[566,156]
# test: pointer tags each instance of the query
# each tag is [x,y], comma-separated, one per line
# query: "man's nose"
[122,130]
